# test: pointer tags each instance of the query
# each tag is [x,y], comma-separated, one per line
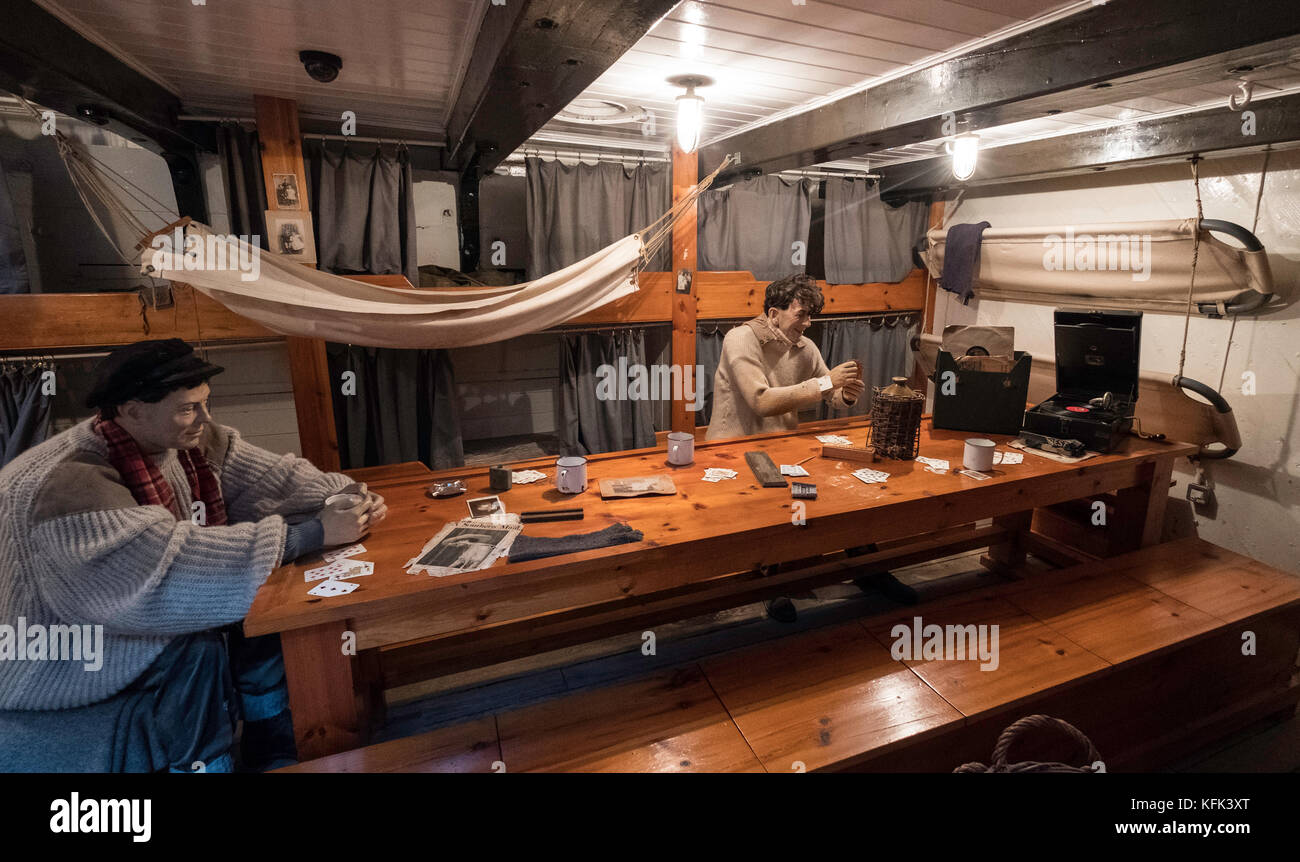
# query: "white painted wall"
[1258,490]
[436,231]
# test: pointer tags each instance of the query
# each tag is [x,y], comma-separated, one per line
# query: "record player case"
[1097,352]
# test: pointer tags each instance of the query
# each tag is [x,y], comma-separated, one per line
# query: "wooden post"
[928,300]
[685,176]
[277,129]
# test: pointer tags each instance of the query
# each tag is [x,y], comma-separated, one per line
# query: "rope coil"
[1021,729]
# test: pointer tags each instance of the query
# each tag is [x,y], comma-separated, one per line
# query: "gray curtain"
[24,411]
[403,409]
[881,344]
[753,225]
[241,171]
[867,240]
[573,211]
[588,424]
[708,352]
[13,260]
[363,207]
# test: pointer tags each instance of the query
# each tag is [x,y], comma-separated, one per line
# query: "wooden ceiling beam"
[532,58]
[1125,49]
[1275,123]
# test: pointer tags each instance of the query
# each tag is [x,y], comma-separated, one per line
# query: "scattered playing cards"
[343,568]
[834,439]
[717,474]
[869,476]
[934,465]
[1008,457]
[332,588]
[353,551]
[975,474]
[793,470]
[523,477]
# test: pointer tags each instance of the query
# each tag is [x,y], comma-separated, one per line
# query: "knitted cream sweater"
[763,381]
[76,549]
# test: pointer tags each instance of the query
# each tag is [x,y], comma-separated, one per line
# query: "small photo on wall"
[289,233]
[286,191]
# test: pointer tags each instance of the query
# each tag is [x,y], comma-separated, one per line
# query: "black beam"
[1276,122]
[1124,49]
[467,208]
[531,58]
[46,61]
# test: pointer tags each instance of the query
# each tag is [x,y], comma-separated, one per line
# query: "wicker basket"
[895,421]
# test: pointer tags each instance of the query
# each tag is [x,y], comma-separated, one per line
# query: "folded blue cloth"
[961,254]
[527,548]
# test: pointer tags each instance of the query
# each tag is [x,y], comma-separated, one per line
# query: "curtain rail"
[55,355]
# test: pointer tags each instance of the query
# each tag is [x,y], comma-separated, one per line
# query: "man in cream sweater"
[769,371]
[140,537]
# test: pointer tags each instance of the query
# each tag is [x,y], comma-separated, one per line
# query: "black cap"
[148,370]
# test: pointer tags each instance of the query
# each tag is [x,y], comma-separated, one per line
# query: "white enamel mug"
[681,448]
[571,474]
[978,454]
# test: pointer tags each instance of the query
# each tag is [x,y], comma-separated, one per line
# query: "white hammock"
[293,299]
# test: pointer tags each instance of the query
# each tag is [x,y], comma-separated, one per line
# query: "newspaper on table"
[466,545]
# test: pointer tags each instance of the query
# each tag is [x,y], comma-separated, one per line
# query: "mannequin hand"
[853,391]
[844,372]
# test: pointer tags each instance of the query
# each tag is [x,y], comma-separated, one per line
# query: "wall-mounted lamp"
[965,150]
[690,110]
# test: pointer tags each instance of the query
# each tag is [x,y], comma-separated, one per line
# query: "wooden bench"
[1143,652]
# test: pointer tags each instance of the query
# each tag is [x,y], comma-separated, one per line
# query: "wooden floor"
[830,695]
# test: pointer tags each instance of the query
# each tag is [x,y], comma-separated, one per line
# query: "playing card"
[334,569]
[523,477]
[360,568]
[975,474]
[344,552]
[934,464]
[793,470]
[1008,457]
[870,476]
[332,588]
[834,439]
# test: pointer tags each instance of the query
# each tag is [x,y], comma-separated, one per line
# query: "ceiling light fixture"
[965,150]
[690,111]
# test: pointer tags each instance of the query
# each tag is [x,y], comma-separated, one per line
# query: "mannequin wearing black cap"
[157,524]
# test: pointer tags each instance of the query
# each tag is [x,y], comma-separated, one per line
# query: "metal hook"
[1246,88]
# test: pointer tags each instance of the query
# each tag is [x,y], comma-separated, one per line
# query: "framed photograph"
[286,191]
[289,232]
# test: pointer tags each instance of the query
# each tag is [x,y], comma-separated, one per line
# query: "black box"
[992,402]
[1097,352]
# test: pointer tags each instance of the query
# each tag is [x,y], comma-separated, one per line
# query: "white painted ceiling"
[403,60]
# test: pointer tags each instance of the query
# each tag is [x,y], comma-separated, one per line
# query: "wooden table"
[703,547]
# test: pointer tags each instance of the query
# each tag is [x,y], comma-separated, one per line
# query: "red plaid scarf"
[147,483]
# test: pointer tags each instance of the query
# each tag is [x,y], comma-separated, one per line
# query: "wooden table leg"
[1008,555]
[1139,515]
[322,695]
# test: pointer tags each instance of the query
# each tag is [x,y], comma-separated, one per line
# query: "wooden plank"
[667,722]
[823,698]
[724,295]
[327,717]
[1111,615]
[277,130]
[685,236]
[67,320]
[651,304]
[281,141]
[467,747]
[1031,657]
[1139,517]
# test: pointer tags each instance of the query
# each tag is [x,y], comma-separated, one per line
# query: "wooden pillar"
[685,176]
[918,380]
[277,129]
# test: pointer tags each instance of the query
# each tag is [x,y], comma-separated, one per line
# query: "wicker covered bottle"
[895,420]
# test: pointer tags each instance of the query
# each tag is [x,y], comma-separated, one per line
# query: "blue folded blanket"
[527,548]
[961,256]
